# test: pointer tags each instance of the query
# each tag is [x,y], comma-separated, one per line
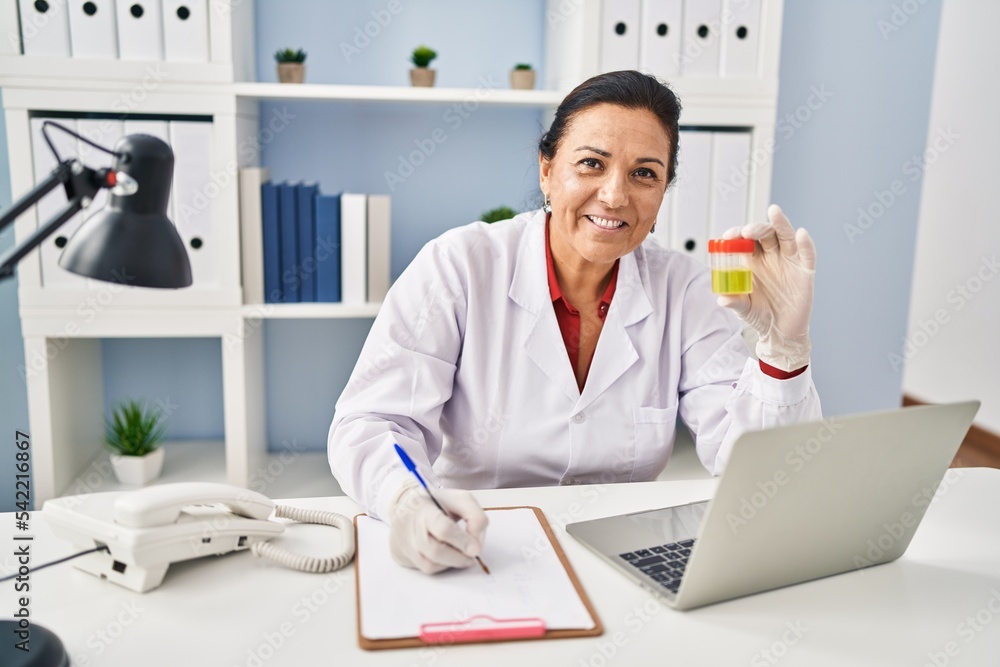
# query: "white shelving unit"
[62,348]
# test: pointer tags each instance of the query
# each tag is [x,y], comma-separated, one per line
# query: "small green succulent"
[423,55]
[522,66]
[498,213]
[290,56]
[132,430]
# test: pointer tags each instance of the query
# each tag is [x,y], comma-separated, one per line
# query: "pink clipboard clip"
[481,628]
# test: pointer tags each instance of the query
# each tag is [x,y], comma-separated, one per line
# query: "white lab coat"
[465,368]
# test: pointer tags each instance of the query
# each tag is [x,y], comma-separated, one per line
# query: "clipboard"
[481,627]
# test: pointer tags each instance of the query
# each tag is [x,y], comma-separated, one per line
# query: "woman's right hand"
[784,273]
[422,537]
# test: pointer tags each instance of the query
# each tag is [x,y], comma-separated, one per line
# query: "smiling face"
[605,182]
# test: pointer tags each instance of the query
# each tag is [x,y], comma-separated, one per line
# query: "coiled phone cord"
[309,563]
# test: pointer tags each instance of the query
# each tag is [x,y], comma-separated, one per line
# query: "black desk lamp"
[131,241]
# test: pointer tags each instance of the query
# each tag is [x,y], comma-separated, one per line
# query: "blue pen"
[412,467]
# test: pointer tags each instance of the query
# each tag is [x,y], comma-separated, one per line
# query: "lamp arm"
[16,254]
[59,176]
[83,182]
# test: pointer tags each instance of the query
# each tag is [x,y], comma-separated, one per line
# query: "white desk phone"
[144,531]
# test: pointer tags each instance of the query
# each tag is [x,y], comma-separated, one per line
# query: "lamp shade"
[131,241]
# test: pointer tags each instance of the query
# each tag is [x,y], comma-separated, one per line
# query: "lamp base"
[41,646]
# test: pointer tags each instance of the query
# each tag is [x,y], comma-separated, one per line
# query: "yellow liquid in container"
[732,281]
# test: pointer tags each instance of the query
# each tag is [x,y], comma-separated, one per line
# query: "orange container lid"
[730,245]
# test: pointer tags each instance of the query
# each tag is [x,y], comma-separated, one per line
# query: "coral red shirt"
[568,316]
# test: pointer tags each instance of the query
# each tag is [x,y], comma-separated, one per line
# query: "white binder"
[701,42]
[730,152]
[44,28]
[740,38]
[619,35]
[251,233]
[660,38]
[44,162]
[161,130]
[379,247]
[353,248]
[140,29]
[192,195]
[690,213]
[92,29]
[185,31]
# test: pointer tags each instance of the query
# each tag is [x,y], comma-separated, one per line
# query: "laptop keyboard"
[664,564]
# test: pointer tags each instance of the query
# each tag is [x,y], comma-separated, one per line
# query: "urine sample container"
[730,261]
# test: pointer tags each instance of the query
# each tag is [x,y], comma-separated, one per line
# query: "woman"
[558,347]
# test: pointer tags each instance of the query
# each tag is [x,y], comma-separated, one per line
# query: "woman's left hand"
[784,270]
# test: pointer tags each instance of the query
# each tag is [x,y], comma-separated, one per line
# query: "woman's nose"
[613,192]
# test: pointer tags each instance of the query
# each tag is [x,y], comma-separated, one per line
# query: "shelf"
[751,91]
[295,475]
[308,311]
[183,461]
[748,92]
[40,71]
[115,76]
[279,475]
[93,320]
[332,92]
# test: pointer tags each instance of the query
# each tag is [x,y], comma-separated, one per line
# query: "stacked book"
[312,247]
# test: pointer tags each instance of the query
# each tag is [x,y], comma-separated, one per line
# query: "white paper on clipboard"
[526,579]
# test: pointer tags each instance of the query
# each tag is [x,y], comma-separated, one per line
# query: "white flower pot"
[138,470]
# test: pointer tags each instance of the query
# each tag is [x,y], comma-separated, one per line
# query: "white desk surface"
[942,596]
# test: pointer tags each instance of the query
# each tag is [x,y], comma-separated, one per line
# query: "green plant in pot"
[421,74]
[291,65]
[522,77]
[499,213]
[133,434]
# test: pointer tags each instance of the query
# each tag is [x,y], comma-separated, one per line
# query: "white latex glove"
[422,537]
[784,271]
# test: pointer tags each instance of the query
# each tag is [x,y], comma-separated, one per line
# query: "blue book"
[272,243]
[328,248]
[307,240]
[288,224]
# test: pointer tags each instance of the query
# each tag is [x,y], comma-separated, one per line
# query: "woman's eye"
[591,162]
[645,173]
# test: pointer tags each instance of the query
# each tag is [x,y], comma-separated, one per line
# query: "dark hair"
[627,88]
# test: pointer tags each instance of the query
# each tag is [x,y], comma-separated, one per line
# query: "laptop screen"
[672,524]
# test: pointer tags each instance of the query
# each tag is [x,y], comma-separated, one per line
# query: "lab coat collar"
[615,352]
[529,286]
[616,348]
[529,289]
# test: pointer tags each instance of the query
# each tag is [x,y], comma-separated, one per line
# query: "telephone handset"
[162,505]
[147,530]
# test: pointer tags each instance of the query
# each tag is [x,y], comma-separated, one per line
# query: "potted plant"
[133,435]
[420,74]
[498,213]
[291,65]
[522,77]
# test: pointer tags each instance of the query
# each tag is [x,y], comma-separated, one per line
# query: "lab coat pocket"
[655,429]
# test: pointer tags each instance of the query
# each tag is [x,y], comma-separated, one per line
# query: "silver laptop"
[795,503]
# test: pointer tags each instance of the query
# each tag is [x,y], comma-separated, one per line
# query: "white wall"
[849,119]
[951,351]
